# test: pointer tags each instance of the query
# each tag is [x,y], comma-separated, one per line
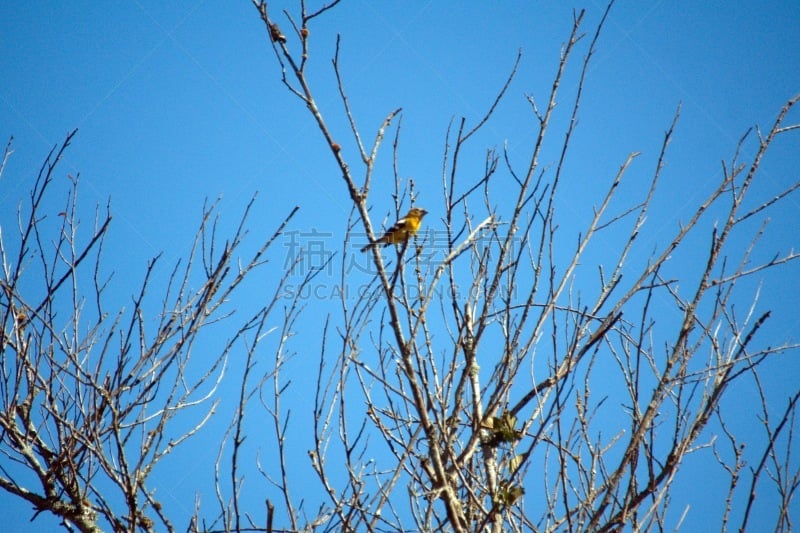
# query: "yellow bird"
[402,230]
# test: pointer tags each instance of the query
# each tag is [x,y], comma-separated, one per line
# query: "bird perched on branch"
[276,34]
[402,230]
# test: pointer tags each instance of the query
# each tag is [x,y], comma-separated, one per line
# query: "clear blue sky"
[181,101]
